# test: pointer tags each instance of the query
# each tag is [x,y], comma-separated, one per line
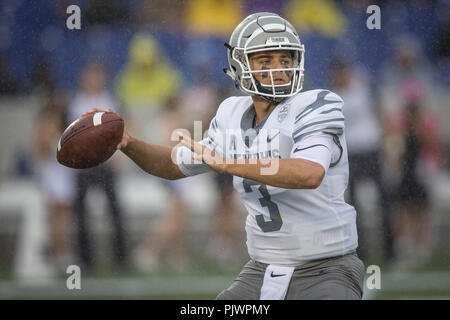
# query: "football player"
[287,152]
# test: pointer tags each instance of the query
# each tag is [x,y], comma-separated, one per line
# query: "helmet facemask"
[277,92]
[272,92]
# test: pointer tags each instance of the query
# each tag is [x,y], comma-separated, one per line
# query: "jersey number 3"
[275,222]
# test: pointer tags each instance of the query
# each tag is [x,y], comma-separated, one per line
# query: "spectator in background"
[146,85]
[406,62]
[7,83]
[407,88]
[443,42]
[92,93]
[145,81]
[364,141]
[165,240]
[167,237]
[43,76]
[419,159]
[147,89]
[442,53]
[56,181]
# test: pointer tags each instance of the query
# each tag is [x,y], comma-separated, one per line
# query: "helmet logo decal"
[276,40]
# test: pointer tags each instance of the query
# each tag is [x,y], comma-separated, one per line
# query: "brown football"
[90,140]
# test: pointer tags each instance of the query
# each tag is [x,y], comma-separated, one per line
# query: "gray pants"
[336,278]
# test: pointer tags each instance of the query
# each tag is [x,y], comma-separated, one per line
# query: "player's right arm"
[153,159]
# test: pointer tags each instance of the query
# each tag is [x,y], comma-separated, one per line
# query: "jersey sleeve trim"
[321,148]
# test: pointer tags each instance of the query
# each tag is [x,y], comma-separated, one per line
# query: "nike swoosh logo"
[276,275]
[271,138]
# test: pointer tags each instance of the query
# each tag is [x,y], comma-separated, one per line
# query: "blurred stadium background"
[159,63]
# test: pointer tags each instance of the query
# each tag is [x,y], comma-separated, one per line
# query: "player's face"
[277,59]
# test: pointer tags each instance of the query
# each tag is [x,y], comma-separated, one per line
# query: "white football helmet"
[264,32]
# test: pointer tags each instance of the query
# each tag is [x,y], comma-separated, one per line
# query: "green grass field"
[204,280]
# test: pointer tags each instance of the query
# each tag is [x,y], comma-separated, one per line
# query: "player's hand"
[125,138]
[202,153]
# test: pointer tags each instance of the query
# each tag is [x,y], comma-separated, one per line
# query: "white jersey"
[288,226]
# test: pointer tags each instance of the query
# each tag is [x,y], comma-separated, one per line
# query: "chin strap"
[228,72]
[272,99]
[261,88]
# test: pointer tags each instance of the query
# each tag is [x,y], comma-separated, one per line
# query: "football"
[90,140]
